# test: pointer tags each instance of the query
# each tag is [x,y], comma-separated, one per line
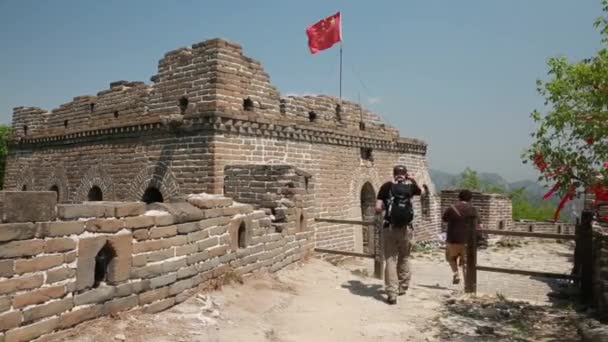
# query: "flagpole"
[340,71]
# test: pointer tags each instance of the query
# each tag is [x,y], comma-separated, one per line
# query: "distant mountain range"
[534,190]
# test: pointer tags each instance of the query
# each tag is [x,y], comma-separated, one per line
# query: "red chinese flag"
[324,33]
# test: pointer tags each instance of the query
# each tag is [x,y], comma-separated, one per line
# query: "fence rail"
[529,234]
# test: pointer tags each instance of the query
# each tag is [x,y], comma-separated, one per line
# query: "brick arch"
[95,176]
[158,176]
[365,175]
[25,177]
[59,179]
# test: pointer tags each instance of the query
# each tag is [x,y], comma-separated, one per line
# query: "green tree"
[4,136]
[570,144]
[523,208]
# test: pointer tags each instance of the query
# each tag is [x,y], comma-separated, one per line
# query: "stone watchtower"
[210,107]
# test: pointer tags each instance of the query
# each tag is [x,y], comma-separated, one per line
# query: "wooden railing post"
[378,247]
[584,249]
[470,272]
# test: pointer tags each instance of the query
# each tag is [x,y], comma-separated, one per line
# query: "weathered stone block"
[180,286]
[217,251]
[174,241]
[211,213]
[38,264]
[16,249]
[198,257]
[147,271]
[186,249]
[181,211]
[84,210]
[154,295]
[139,222]
[183,296]
[218,230]
[207,243]
[120,304]
[32,331]
[70,257]
[164,220]
[10,320]
[70,319]
[27,206]
[5,303]
[17,231]
[174,265]
[163,232]
[21,283]
[59,245]
[147,246]
[109,225]
[196,236]
[141,234]
[187,272]
[98,295]
[7,268]
[38,296]
[61,228]
[130,209]
[60,274]
[119,268]
[188,227]
[212,222]
[160,306]
[130,288]
[163,280]
[47,310]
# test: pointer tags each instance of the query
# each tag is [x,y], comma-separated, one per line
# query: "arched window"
[242,237]
[102,262]
[368,203]
[248,105]
[56,189]
[95,194]
[152,195]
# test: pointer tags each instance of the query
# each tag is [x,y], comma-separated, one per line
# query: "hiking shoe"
[402,291]
[456,279]
[391,300]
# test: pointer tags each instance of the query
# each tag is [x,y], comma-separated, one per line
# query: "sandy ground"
[317,301]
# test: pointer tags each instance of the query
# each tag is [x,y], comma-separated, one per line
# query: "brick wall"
[209,106]
[104,257]
[544,227]
[495,210]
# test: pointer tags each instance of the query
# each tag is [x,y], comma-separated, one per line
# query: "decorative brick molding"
[95,176]
[24,179]
[158,176]
[58,180]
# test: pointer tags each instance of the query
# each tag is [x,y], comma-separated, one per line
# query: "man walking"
[394,198]
[457,216]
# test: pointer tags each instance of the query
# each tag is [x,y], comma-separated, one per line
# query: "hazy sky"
[457,74]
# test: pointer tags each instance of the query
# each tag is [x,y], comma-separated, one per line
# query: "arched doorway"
[368,203]
[56,189]
[152,195]
[95,194]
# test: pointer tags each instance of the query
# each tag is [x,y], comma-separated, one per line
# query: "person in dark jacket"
[457,216]
[397,238]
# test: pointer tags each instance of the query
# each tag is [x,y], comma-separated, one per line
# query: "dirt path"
[318,302]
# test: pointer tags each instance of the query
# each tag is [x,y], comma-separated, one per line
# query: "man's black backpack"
[400,212]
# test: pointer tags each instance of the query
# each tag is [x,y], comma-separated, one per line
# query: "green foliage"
[4,135]
[571,141]
[469,179]
[523,208]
